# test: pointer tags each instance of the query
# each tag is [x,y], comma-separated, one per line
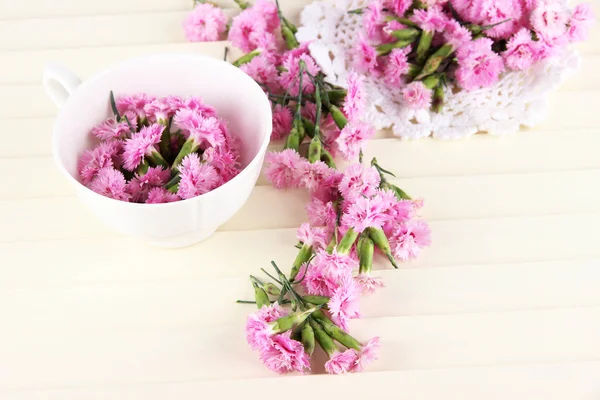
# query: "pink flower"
[320,213]
[367,354]
[492,12]
[355,102]
[103,156]
[456,35]
[134,104]
[478,65]
[466,9]
[312,236]
[257,325]
[389,28]
[205,23]
[160,195]
[282,122]
[224,161]
[141,144]
[282,169]
[111,129]
[267,9]
[205,132]
[327,272]
[359,180]
[399,7]
[196,178]
[160,110]
[283,354]
[140,186]
[313,176]
[352,138]
[417,96]
[263,71]
[365,212]
[196,104]
[365,57]
[368,283]
[341,363]
[329,134]
[520,51]
[309,111]
[432,19]
[396,210]
[110,183]
[373,19]
[582,19]
[397,66]
[344,303]
[245,29]
[290,80]
[549,19]
[409,238]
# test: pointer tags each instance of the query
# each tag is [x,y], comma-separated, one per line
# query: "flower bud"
[324,340]
[303,256]
[246,58]
[327,158]
[290,39]
[309,128]
[308,339]
[381,241]
[432,81]
[336,96]
[261,297]
[347,242]
[300,128]
[438,99]
[316,300]
[424,45]
[387,48]
[293,140]
[338,116]
[434,62]
[335,331]
[271,289]
[286,323]
[366,248]
[408,33]
[314,150]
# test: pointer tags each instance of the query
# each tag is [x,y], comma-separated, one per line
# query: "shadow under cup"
[236,97]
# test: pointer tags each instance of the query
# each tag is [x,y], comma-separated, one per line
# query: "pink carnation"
[344,303]
[205,23]
[224,161]
[432,19]
[103,156]
[478,65]
[111,129]
[312,236]
[245,29]
[365,212]
[355,102]
[320,213]
[267,10]
[466,9]
[140,186]
[520,51]
[397,66]
[257,325]
[492,12]
[141,144]
[456,35]
[205,132]
[396,210]
[368,283]
[341,363]
[359,180]
[549,19]
[282,354]
[417,96]
[582,19]
[313,176]
[196,178]
[282,169]
[134,104]
[398,7]
[365,57]
[352,137]
[409,238]
[367,354]
[327,272]
[282,122]
[160,110]
[263,71]
[160,195]
[373,19]
[309,111]
[290,80]
[110,183]
[196,104]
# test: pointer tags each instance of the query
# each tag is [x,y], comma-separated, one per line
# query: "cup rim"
[224,65]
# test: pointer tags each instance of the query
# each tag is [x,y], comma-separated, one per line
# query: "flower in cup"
[142,145]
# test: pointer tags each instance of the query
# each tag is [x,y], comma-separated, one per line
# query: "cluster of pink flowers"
[159,150]
[354,215]
[417,46]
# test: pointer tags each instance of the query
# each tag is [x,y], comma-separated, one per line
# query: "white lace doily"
[519,98]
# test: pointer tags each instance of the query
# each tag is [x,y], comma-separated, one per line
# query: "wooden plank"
[116,356]
[576,381]
[180,302]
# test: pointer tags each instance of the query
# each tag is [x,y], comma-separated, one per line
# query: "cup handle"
[59,83]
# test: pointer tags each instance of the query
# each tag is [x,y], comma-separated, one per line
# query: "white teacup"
[237,99]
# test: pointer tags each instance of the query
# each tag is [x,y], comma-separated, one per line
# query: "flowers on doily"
[159,150]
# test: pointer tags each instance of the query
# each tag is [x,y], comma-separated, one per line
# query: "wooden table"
[504,305]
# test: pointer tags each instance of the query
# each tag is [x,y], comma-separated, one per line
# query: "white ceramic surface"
[238,100]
